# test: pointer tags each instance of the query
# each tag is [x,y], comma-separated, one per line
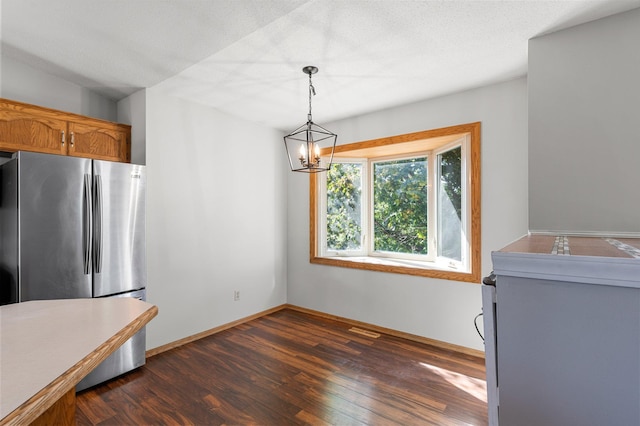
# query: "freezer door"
[119,259]
[54,226]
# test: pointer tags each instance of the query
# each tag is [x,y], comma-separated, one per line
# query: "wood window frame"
[404,144]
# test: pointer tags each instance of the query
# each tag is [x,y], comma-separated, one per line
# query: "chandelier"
[310,147]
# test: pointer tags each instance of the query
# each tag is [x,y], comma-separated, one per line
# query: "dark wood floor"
[294,368]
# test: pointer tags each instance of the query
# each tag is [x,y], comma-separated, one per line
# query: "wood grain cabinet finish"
[32,128]
[22,128]
[105,142]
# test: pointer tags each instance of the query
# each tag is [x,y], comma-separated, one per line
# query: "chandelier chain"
[312,91]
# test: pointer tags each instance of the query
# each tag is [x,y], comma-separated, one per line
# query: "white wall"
[437,309]
[133,110]
[23,83]
[216,218]
[584,142]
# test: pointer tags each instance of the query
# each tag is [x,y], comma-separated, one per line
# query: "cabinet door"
[23,130]
[100,142]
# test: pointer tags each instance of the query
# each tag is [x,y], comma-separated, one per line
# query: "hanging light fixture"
[310,147]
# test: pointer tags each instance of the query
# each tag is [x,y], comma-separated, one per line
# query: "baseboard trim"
[360,324]
[203,334]
[391,332]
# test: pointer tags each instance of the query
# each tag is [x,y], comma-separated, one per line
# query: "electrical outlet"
[236,295]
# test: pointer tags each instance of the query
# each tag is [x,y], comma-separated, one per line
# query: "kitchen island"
[48,346]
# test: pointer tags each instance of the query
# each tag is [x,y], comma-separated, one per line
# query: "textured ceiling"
[245,57]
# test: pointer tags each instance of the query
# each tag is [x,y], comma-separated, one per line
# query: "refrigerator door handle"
[97,224]
[86,224]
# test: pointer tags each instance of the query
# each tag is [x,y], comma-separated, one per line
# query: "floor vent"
[364,332]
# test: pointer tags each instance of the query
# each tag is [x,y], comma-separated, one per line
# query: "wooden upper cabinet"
[108,142]
[25,127]
[22,129]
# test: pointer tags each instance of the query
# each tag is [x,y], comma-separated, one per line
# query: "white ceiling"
[245,57]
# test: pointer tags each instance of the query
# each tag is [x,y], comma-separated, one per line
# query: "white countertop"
[51,344]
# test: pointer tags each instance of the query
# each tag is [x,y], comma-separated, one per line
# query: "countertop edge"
[611,271]
[47,396]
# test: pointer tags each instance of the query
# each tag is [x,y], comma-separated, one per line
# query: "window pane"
[450,204]
[400,206]
[344,190]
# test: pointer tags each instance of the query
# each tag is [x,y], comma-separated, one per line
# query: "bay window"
[405,204]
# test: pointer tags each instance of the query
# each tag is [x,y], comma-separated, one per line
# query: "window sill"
[398,266]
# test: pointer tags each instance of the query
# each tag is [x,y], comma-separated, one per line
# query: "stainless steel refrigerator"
[74,228]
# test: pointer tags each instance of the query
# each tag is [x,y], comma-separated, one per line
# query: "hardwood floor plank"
[292,367]
[95,408]
[319,335]
[309,418]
